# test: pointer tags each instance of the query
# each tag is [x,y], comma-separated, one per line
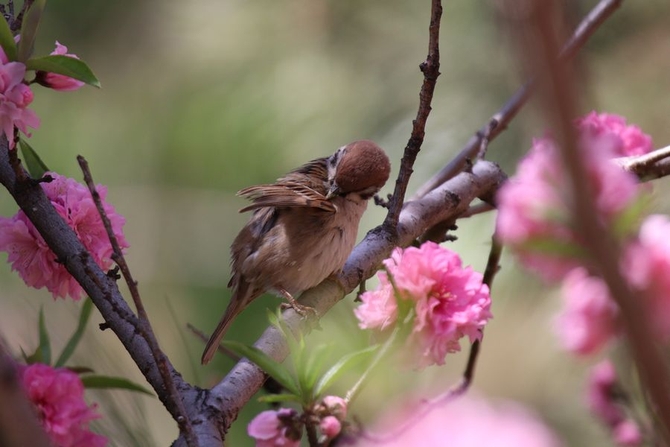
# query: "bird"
[302,229]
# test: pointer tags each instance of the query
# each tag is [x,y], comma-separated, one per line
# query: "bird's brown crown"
[363,165]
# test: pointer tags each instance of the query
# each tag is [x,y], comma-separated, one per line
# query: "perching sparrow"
[303,228]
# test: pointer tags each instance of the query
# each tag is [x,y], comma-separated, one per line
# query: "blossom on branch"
[606,402]
[58,81]
[275,428]
[449,301]
[589,319]
[58,397]
[535,208]
[631,140]
[29,254]
[646,265]
[15,97]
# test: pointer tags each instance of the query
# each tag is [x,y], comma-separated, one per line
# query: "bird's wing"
[304,187]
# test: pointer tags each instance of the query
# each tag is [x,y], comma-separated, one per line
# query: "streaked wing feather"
[303,187]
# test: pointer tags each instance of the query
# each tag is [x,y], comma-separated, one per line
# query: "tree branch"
[431,70]
[501,119]
[102,289]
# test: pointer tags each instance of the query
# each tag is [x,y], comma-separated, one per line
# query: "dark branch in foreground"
[560,103]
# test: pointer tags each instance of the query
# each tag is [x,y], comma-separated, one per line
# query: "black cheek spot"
[341,231]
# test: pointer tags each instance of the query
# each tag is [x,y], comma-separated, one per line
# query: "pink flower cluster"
[448,300]
[283,427]
[33,259]
[630,140]
[15,97]
[535,220]
[534,207]
[275,428]
[467,421]
[604,400]
[58,396]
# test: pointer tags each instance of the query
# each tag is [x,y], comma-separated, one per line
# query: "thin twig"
[431,70]
[144,325]
[647,166]
[17,23]
[501,119]
[560,103]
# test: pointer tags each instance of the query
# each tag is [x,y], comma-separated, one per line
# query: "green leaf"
[64,65]
[45,344]
[78,333]
[554,247]
[279,398]
[7,40]
[34,163]
[80,369]
[345,363]
[275,369]
[31,21]
[94,381]
[311,370]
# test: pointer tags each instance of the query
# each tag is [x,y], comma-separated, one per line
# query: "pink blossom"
[602,382]
[379,309]
[646,266]
[33,259]
[57,81]
[466,422]
[58,396]
[336,406]
[274,429]
[603,397]
[330,426]
[450,302]
[588,320]
[632,140]
[534,207]
[15,97]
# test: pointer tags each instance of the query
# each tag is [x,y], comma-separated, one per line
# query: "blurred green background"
[203,98]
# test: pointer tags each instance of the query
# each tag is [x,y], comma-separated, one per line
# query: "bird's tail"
[237,304]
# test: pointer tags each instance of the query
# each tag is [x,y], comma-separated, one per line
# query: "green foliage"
[77,335]
[305,381]
[7,41]
[31,21]
[66,66]
[36,167]
[96,381]
[45,345]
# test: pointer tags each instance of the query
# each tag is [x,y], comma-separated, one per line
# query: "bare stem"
[431,70]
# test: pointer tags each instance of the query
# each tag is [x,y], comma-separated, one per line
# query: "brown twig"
[559,100]
[649,166]
[16,24]
[501,119]
[144,325]
[431,70]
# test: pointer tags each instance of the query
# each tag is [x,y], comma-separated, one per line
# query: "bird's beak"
[333,191]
